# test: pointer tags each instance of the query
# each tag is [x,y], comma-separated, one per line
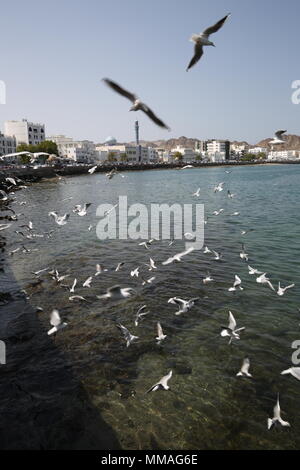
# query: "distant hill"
[292,143]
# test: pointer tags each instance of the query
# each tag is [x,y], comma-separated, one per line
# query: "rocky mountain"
[171,143]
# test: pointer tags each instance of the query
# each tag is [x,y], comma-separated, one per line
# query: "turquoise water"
[207,406]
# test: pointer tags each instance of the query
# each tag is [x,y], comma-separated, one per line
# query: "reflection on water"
[208,407]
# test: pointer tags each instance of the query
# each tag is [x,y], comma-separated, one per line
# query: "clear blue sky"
[54,54]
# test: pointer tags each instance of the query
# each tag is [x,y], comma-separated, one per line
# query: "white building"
[126,152]
[8,144]
[256,150]
[218,146]
[25,132]
[284,155]
[188,154]
[81,151]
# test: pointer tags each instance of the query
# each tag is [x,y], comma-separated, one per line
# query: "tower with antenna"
[137,139]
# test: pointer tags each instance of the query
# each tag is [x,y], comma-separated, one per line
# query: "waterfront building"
[188,154]
[25,132]
[256,150]
[284,155]
[8,144]
[215,146]
[81,151]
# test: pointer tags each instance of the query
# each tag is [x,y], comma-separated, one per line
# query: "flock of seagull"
[115,293]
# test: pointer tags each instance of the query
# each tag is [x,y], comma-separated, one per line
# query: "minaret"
[137,139]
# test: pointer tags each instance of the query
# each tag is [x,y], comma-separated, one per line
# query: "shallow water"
[208,407]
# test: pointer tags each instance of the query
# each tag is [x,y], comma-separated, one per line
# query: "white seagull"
[202,39]
[237,283]
[184,305]
[264,280]
[116,292]
[178,256]
[206,250]
[99,270]
[92,170]
[232,331]
[72,290]
[88,282]
[243,254]
[161,384]
[218,212]
[138,105]
[253,271]
[140,314]
[218,256]
[294,371]
[160,335]
[277,416]
[81,210]
[56,322]
[197,193]
[244,372]
[281,290]
[135,272]
[207,279]
[129,338]
[219,188]
[60,220]
[278,138]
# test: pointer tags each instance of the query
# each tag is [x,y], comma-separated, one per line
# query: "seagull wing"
[279,134]
[154,118]
[246,366]
[159,330]
[215,27]
[164,380]
[232,322]
[120,90]
[198,53]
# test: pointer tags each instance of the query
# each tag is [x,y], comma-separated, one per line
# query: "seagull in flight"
[160,335]
[116,292]
[243,254]
[140,314]
[207,279]
[253,271]
[218,256]
[197,193]
[232,331]
[202,39]
[184,305]
[206,250]
[56,322]
[277,416]
[92,170]
[244,372]
[88,282]
[135,272]
[281,290]
[278,138]
[81,210]
[219,188]
[264,280]
[99,270]
[138,105]
[294,371]
[161,384]
[218,212]
[129,338]
[178,256]
[60,220]
[237,283]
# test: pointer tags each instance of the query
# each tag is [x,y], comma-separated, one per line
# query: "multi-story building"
[25,132]
[8,144]
[82,151]
[256,150]
[218,146]
[188,154]
[126,152]
[284,155]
